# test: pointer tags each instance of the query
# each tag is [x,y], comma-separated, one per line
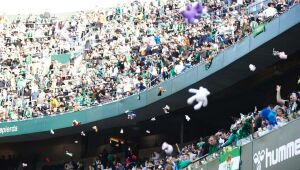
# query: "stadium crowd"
[125,51]
[122,51]
[244,129]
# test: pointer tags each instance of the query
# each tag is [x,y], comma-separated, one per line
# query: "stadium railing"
[279,149]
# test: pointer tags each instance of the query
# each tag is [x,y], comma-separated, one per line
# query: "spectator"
[183,162]
[270,11]
[245,131]
[293,104]
[213,145]
[280,116]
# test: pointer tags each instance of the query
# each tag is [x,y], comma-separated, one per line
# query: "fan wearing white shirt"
[179,67]
[270,11]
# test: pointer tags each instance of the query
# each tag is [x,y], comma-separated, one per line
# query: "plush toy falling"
[166,109]
[121,131]
[200,97]
[82,133]
[153,119]
[76,123]
[138,96]
[192,12]
[252,67]
[187,118]
[95,128]
[130,114]
[148,131]
[161,90]
[167,148]
[52,131]
[269,115]
[24,165]
[69,154]
[281,55]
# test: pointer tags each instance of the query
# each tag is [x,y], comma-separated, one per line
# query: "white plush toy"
[69,153]
[167,148]
[52,131]
[252,67]
[281,55]
[187,118]
[200,97]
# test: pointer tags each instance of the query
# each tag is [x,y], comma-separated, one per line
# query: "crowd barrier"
[278,150]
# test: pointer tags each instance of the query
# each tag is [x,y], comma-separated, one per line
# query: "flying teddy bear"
[200,97]
[167,148]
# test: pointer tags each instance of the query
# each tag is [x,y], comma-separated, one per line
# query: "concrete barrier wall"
[278,150]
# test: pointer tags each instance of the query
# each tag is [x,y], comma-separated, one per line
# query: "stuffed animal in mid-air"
[200,97]
[76,123]
[130,114]
[192,12]
[167,148]
[281,54]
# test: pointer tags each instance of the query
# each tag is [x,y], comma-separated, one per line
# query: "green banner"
[259,29]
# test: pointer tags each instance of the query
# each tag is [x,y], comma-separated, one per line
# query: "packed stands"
[52,66]
[109,55]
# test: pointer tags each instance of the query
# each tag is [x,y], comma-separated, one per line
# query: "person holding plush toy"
[240,133]
[270,116]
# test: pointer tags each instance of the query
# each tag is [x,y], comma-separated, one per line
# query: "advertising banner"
[278,150]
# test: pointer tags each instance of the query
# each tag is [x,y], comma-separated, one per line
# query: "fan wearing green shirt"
[213,145]
[150,31]
[172,72]
[170,28]
[181,27]
[183,162]
[119,10]
[28,112]
[21,82]
[239,133]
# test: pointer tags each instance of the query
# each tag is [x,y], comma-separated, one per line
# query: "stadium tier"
[103,89]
